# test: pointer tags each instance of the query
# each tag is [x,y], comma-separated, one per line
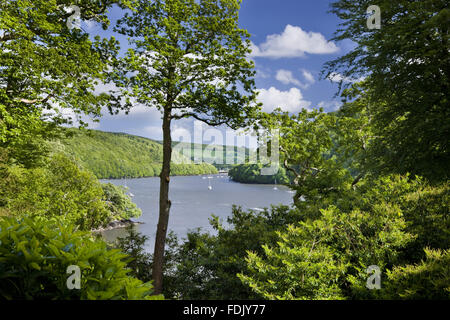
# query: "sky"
[290,42]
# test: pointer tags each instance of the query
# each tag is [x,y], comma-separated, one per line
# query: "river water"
[193,202]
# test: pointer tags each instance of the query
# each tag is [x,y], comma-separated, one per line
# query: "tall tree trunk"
[164,206]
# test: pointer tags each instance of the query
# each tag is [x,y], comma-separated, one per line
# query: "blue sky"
[291,43]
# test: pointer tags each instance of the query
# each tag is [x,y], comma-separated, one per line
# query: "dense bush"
[429,279]
[251,173]
[204,266]
[62,189]
[327,257]
[380,223]
[34,257]
[300,266]
[321,248]
[427,212]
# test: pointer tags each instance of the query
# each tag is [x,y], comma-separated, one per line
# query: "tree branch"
[357,179]
[195,116]
[28,101]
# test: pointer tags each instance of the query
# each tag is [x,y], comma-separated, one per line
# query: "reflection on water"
[193,202]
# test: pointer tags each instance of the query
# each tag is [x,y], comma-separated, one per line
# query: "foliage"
[300,267]
[119,203]
[251,173]
[428,280]
[326,256]
[23,134]
[318,249]
[307,150]
[406,68]
[385,221]
[141,262]
[47,68]
[34,257]
[62,189]
[223,157]
[426,210]
[189,59]
[205,265]
[120,155]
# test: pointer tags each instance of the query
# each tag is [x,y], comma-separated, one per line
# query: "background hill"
[229,156]
[118,155]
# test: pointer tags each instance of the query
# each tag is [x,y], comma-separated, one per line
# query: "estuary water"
[194,200]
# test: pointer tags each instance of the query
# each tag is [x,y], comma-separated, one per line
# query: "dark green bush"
[251,173]
[141,262]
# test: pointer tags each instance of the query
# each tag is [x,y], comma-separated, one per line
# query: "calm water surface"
[193,203]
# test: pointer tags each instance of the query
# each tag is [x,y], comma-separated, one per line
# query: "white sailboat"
[126,187]
[209,181]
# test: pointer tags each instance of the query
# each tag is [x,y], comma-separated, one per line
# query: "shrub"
[141,262]
[119,203]
[34,257]
[62,189]
[206,266]
[385,222]
[429,279]
[320,258]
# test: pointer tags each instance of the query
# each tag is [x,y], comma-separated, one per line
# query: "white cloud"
[308,76]
[181,134]
[90,24]
[293,42]
[329,105]
[262,74]
[337,77]
[290,101]
[286,77]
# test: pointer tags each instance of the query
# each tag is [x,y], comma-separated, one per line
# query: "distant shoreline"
[117,224]
[180,175]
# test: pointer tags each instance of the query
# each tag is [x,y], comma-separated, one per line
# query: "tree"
[189,60]
[47,67]
[407,68]
[206,265]
[306,145]
[326,254]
